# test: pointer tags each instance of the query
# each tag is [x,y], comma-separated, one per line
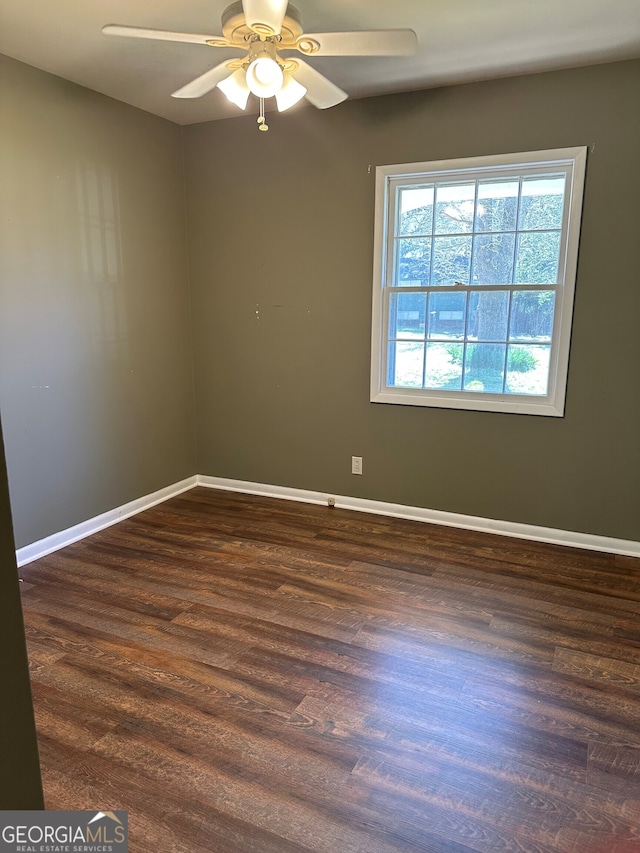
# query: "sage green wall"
[20,785]
[96,382]
[281,239]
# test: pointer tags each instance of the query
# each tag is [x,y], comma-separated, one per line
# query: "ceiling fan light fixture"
[261,29]
[264,77]
[235,89]
[290,93]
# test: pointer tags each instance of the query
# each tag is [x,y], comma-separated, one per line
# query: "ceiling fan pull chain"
[262,122]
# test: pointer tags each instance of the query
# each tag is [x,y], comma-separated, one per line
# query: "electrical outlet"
[356,464]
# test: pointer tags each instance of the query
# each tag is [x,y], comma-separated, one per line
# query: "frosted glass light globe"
[264,77]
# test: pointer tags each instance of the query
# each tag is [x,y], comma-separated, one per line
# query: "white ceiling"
[460,40]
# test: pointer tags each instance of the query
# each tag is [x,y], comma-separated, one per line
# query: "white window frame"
[571,161]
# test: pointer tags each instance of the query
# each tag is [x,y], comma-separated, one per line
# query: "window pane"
[447,314]
[415,210]
[528,370]
[537,258]
[454,208]
[413,262]
[532,315]
[488,315]
[444,366]
[405,364]
[407,312]
[493,259]
[475,268]
[542,202]
[484,368]
[451,260]
[497,206]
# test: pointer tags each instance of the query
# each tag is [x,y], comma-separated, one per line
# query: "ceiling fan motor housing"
[237,31]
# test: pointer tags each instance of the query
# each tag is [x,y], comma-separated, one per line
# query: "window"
[474,274]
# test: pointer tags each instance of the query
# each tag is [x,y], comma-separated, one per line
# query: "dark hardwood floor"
[248,674]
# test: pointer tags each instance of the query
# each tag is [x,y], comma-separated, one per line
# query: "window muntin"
[475,267]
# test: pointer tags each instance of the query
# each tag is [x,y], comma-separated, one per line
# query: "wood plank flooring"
[250,674]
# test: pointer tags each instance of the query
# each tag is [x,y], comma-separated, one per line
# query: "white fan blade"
[205,83]
[364,43]
[321,92]
[265,17]
[163,35]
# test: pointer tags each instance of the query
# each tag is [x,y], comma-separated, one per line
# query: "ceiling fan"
[263,29]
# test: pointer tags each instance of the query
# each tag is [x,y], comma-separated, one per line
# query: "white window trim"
[571,159]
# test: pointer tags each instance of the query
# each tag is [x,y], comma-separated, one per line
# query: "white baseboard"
[515,529]
[569,538]
[92,525]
